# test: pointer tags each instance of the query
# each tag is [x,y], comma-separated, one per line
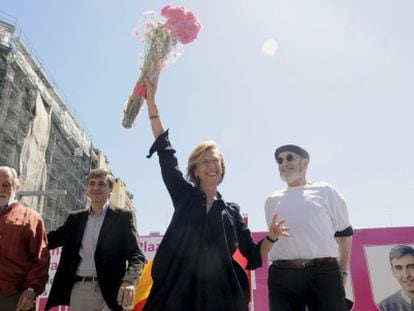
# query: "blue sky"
[340,85]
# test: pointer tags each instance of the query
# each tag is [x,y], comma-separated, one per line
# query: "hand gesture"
[277,228]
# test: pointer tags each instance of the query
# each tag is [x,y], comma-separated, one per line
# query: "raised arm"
[171,173]
[153,113]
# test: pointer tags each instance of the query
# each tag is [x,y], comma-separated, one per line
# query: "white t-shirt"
[313,213]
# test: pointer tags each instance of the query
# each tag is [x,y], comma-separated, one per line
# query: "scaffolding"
[38,75]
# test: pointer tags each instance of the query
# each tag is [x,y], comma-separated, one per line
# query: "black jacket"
[193,268]
[117,245]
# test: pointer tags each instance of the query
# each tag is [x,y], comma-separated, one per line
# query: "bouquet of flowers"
[160,39]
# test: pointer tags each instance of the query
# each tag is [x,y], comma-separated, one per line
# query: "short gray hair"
[401,251]
[12,172]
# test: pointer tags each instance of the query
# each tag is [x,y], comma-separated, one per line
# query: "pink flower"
[183,24]
[160,40]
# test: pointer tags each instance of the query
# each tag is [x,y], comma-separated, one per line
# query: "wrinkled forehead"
[6,175]
[210,153]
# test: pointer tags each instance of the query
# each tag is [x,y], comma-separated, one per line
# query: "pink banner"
[370,278]
[371,275]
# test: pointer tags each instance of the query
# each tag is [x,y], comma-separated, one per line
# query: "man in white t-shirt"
[310,267]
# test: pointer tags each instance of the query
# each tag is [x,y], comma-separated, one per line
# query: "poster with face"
[372,277]
[391,269]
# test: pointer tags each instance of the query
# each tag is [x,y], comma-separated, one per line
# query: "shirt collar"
[200,192]
[103,211]
[406,298]
[8,206]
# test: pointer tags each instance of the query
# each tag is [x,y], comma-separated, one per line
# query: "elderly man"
[24,257]
[310,267]
[101,261]
[402,267]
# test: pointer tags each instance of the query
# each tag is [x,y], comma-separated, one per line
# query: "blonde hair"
[196,156]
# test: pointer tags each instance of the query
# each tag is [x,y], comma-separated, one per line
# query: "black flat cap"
[292,148]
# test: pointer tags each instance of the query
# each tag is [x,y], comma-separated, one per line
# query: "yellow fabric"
[144,285]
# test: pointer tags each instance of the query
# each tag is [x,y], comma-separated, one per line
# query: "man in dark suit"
[101,261]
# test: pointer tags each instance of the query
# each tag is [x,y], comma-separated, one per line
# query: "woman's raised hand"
[151,90]
[153,114]
[277,228]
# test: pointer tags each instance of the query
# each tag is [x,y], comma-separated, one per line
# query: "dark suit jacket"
[117,245]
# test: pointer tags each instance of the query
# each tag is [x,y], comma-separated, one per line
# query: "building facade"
[41,138]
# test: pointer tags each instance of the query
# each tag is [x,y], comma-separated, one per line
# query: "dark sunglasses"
[280,160]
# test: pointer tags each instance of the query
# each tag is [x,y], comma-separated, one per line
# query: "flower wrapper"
[160,43]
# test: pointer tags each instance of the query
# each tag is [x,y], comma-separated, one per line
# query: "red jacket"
[24,256]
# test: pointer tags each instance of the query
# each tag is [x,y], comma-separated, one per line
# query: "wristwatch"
[344,274]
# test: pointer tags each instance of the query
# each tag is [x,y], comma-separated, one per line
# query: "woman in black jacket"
[194,267]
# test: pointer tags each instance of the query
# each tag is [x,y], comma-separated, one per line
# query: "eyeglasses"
[288,158]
